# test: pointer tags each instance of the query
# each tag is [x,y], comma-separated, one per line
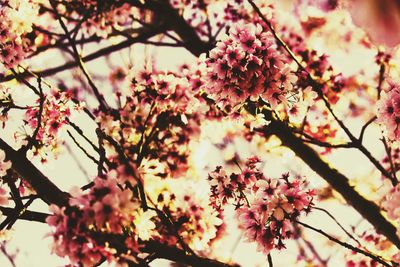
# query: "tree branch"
[369,210]
[346,245]
[178,24]
[45,188]
[177,255]
[143,36]
[28,215]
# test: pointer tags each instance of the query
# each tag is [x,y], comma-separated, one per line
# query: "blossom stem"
[32,139]
[82,149]
[346,245]
[270,263]
[338,224]
[392,166]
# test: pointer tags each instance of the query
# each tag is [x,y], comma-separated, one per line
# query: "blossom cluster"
[247,65]
[389,111]
[16,23]
[105,210]
[6,103]
[317,64]
[157,120]
[266,207]
[80,231]
[101,17]
[169,91]
[103,25]
[197,224]
[3,197]
[391,161]
[162,137]
[52,113]
[391,205]
[206,16]
[374,243]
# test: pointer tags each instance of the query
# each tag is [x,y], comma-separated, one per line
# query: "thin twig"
[381,79]
[81,133]
[346,245]
[11,258]
[327,145]
[77,161]
[95,161]
[365,126]
[99,53]
[20,78]
[338,224]
[388,150]
[102,157]
[270,263]
[103,104]
[33,139]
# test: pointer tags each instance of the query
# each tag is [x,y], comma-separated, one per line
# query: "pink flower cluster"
[57,107]
[106,209]
[392,158]
[198,224]
[106,206]
[170,91]
[391,205]
[324,5]
[149,128]
[3,197]
[247,65]
[266,207]
[206,17]
[374,243]
[103,25]
[101,17]
[389,111]
[16,21]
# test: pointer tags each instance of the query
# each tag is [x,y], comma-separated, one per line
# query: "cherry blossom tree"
[195,123]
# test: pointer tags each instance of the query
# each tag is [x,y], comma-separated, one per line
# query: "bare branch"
[346,245]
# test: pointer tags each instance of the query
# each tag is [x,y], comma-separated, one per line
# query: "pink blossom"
[247,65]
[389,112]
[266,207]
[5,165]
[3,197]
[56,110]
[392,207]
[106,208]
[380,19]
